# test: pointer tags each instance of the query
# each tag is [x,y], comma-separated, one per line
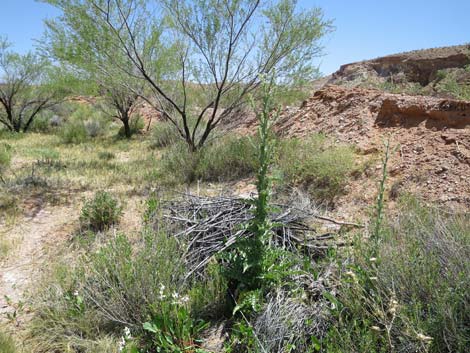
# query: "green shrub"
[42,123]
[100,212]
[172,328]
[447,82]
[94,128]
[409,292]
[6,344]
[62,322]
[164,134]
[138,285]
[84,123]
[73,132]
[229,158]
[315,165]
[5,158]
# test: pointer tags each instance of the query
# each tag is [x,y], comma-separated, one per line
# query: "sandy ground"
[30,238]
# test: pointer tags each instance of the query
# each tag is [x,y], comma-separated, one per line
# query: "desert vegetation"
[146,220]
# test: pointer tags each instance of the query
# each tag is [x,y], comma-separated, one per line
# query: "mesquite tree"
[25,88]
[89,53]
[200,59]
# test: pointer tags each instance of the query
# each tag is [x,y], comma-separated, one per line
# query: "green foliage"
[73,132]
[6,344]
[42,123]
[314,164]
[27,88]
[63,321]
[458,90]
[410,293]
[247,259]
[164,134]
[209,295]
[447,82]
[5,158]
[171,328]
[379,207]
[93,128]
[228,158]
[106,155]
[120,284]
[280,38]
[243,338]
[84,123]
[100,212]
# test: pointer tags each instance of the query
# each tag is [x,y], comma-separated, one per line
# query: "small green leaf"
[148,326]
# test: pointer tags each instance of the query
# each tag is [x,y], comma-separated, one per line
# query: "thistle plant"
[246,262]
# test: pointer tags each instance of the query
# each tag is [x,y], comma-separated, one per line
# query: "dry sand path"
[30,236]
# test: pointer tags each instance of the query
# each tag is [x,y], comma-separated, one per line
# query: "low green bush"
[229,158]
[410,291]
[314,164]
[447,83]
[127,293]
[84,123]
[73,132]
[6,344]
[42,123]
[94,128]
[100,212]
[164,134]
[5,158]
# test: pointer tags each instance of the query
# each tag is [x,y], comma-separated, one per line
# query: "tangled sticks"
[210,225]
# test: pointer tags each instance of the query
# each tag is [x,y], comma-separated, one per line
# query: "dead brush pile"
[294,312]
[210,225]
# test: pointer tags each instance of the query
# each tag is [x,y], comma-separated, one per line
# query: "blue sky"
[365,29]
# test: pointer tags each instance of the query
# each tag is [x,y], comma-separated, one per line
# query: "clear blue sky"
[364,28]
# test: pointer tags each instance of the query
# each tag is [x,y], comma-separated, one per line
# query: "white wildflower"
[127,332]
[162,292]
[424,338]
[352,275]
[122,344]
[393,306]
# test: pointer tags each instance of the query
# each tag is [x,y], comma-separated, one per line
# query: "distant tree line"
[194,61]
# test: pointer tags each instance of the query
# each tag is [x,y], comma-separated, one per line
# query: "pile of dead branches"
[211,225]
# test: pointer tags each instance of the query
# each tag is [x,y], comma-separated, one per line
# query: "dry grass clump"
[316,165]
[409,291]
[6,344]
[228,158]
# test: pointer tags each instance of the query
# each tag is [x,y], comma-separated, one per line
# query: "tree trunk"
[127,128]
[16,125]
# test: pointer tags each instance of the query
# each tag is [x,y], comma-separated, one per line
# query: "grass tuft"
[317,166]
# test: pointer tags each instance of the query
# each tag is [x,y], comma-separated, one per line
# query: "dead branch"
[207,226]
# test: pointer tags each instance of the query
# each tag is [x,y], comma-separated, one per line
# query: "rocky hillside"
[419,66]
[432,135]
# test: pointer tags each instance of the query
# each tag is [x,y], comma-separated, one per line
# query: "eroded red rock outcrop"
[419,66]
[432,136]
